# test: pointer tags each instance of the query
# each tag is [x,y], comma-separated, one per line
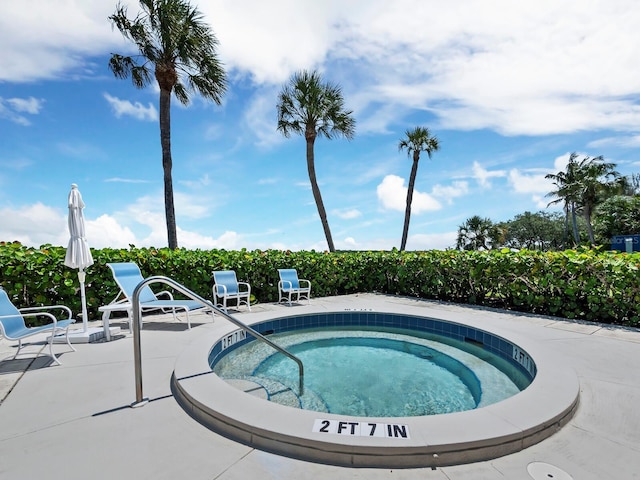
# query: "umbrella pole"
[81,277]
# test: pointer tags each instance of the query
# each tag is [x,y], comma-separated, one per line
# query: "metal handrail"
[137,352]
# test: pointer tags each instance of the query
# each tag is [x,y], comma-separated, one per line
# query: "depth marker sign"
[361,429]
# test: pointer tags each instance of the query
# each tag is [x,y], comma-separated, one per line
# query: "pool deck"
[74,421]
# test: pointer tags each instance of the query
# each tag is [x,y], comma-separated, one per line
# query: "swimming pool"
[504,427]
[381,372]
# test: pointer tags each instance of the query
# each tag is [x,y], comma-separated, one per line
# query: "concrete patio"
[74,421]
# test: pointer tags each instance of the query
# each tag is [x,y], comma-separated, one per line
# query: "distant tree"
[597,180]
[567,192]
[415,142]
[535,231]
[617,215]
[631,184]
[478,233]
[634,181]
[313,108]
[177,46]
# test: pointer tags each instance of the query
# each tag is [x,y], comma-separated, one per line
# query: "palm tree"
[310,107]
[566,192]
[179,48]
[597,180]
[478,233]
[583,185]
[416,141]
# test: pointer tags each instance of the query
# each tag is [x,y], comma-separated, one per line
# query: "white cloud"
[56,40]
[260,118]
[13,108]
[268,181]
[531,181]
[106,232]
[38,224]
[27,105]
[482,176]
[277,38]
[213,131]
[542,202]
[228,240]
[448,193]
[392,194]
[149,209]
[135,110]
[530,70]
[125,180]
[33,225]
[202,182]
[349,242]
[630,141]
[347,214]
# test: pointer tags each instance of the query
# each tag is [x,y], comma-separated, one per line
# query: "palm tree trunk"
[574,222]
[587,217]
[407,212]
[316,191]
[167,165]
[565,234]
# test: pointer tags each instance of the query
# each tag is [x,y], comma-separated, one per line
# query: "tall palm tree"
[597,180]
[311,107]
[415,142]
[583,185]
[566,192]
[178,47]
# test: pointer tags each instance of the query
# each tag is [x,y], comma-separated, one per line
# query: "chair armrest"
[52,317]
[218,287]
[165,292]
[281,284]
[307,281]
[44,308]
[247,286]
[114,307]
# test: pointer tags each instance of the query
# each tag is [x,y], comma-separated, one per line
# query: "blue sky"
[509,88]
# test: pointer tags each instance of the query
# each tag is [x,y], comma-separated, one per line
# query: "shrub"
[577,284]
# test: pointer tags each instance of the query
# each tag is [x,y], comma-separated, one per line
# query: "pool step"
[248,386]
[279,393]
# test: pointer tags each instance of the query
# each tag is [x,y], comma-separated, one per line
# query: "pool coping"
[456,438]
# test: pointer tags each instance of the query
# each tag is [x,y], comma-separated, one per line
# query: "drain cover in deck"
[545,471]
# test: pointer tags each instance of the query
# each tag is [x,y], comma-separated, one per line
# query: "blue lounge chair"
[290,284]
[127,275]
[226,287]
[14,327]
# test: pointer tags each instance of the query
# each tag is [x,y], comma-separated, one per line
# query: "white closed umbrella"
[78,252]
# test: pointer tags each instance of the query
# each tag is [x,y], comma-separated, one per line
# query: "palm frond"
[307,104]
[419,139]
[173,36]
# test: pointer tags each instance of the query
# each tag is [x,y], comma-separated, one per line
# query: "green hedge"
[584,284]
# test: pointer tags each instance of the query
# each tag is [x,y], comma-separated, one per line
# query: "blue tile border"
[505,349]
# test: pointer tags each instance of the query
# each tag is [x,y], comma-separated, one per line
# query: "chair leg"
[18,350]
[69,341]
[55,359]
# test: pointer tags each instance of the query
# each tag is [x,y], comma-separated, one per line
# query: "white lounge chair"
[226,287]
[14,327]
[290,285]
[128,276]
